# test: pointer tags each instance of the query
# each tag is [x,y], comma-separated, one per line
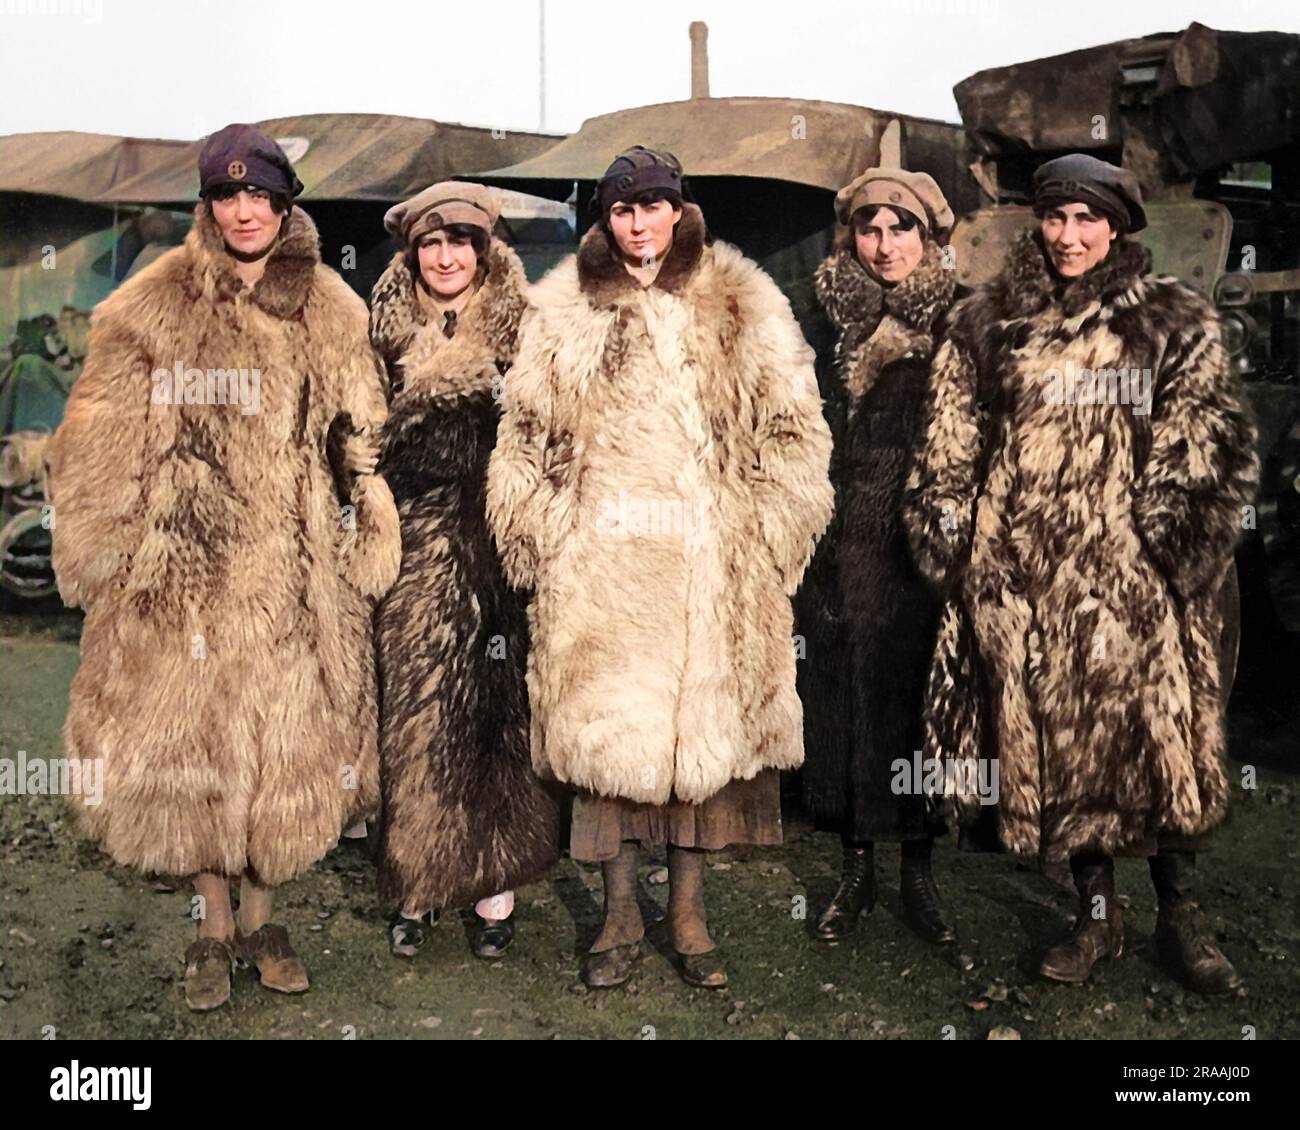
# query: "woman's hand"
[360,454]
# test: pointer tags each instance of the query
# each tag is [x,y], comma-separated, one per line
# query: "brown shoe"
[1093,937]
[208,966]
[278,966]
[1188,954]
[703,970]
[609,968]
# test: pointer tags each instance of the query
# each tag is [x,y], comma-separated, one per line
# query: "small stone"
[322,914]
[791,1036]
[315,927]
[431,1022]
[106,943]
[965,962]
[578,989]
[22,936]
[162,888]
[978,1006]
[1003,1032]
[996,992]
[722,867]
[657,876]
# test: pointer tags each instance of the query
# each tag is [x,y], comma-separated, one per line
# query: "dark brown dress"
[744,812]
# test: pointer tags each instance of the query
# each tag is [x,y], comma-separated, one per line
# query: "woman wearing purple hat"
[227,570]
[1087,465]
[659,482]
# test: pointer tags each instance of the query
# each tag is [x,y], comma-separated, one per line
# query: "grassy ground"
[95,950]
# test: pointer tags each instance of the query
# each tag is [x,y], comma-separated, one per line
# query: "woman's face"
[644,232]
[887,250]
[447,263]
[1076,238]
[247,221]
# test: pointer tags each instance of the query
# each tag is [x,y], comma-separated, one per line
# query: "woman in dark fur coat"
[887,291]
[1080,492]
[464,818]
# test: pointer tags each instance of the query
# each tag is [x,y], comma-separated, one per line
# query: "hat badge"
[895,196]
[237,169]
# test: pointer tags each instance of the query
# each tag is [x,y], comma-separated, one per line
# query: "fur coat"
[660,480]
[887,610]
[227,674]
[1087,539]
[464,816]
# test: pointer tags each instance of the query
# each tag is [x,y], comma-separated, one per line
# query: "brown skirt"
[744,812]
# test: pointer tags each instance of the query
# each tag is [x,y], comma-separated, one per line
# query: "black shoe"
[407,935]
[1094,937]
[492,939]
[1188,954]
[921,907]
[856,895]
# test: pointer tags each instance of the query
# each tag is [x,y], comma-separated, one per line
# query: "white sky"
[150,68]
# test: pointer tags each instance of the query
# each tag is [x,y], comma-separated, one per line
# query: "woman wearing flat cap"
[886,290]
[227,570]
[464,817]
[1085,527]
[659,482]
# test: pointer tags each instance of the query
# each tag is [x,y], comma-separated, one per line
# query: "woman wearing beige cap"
[464,819]
[887,291]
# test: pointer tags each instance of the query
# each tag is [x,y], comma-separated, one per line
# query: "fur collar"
[290,270]
[486,337]
[1028,285]
[880,324]
[601,273]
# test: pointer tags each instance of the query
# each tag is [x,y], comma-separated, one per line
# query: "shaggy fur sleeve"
[371,546]
[939,502]
[791,479]
[95,462]
[1201,470]
[529,457]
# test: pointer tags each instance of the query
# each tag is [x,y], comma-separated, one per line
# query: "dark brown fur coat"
[887,610]
[464,816]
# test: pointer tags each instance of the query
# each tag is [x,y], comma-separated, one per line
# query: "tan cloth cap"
[915,192]
[448,202]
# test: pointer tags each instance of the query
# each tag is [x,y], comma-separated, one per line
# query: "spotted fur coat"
[227,674]
[464,816]
[660,480]
[1085,546]
[887,612]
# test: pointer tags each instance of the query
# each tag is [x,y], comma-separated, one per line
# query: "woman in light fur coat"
[1087,464]
[227,679]
[659,482]
[464,818]
[887,290]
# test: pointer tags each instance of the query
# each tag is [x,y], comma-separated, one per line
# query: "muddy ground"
[95,951]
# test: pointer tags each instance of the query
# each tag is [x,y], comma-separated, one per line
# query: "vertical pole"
[541,64]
